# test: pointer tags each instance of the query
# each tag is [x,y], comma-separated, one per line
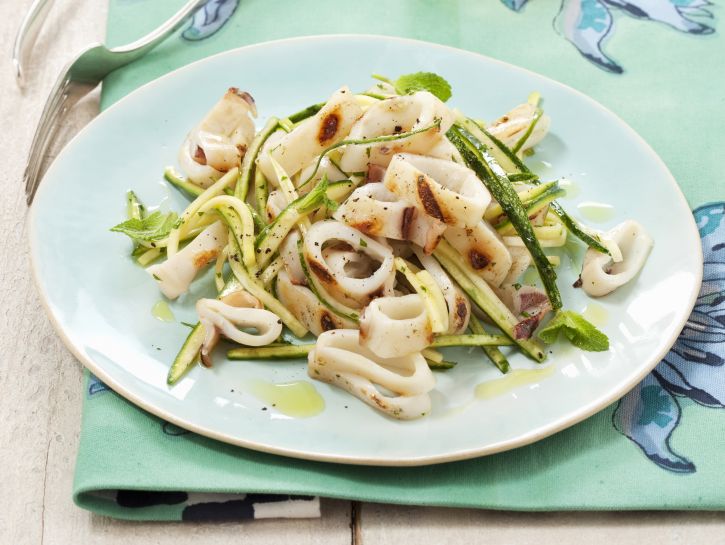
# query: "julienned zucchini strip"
[248,166]
[493,353]
[190,349]
[477,158]
[269,239]
[483,339]
[517,172]
[182,183]
[271,352]
[134,207]
[532,208]
[289,351]
[538,112]
[442,365]
[306,112]
[494,213]
[482,295]
[248,280]
[240,222]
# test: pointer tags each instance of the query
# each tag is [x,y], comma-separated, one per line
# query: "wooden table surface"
[40,389]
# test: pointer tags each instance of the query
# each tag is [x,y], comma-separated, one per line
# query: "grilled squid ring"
[337,282]
[176,273]
[511,127]
[291,258]
[375,211]
[228,320]
[219,142]
[391,327]
[520,261]
[601,275]
[338,358]
[483,250]
[459,307]
[308,140]
[392,116]
[449,192]
[276,202]
[212,333]
[307,308]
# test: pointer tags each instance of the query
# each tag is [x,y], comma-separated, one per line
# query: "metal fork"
[79,77]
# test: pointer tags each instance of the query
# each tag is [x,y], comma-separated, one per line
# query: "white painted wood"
[393,525]
[40,389]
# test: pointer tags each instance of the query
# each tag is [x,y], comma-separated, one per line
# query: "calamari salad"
[386,225]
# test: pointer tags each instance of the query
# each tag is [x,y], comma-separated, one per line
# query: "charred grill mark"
[379,402]
[427,198]
[578,283]
[199,156]
[461,310]
[242,149]
[202,258]
[369,226]
[407,222]
[377,293]
[525,328]
[478,260]
[205,359]
[343,246]
[321,272]
[375,173]
[326,322]
[329,126]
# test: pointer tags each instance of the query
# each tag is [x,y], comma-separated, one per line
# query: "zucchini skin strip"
[493,353]
[248,166]
[181,183]
[187,355]
[189,351]
[535,205]
[523,173]
[249,282]
[281,352]
[483,339]
[475,155]
[534,120]
[481,293]
[306,112]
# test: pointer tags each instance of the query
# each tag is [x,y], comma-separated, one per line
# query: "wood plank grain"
[392,525]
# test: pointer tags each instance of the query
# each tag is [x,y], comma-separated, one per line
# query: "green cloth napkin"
[656,64]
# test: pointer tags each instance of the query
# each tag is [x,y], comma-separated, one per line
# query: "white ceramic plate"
[100,301]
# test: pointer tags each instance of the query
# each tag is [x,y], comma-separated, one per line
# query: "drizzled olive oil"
[596,314]
[598,212]
[511,381]
[162,311]
[295,399]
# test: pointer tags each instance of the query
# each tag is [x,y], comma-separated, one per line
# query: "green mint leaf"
[579,331]
[423,81]
[153,227]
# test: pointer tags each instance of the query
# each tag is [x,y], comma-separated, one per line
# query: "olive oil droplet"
[596,314]
[295,399]
[162,311]
[511,381]
[571,187]
[596,211]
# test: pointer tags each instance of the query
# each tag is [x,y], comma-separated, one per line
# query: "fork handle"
[140,47]
[27,33]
